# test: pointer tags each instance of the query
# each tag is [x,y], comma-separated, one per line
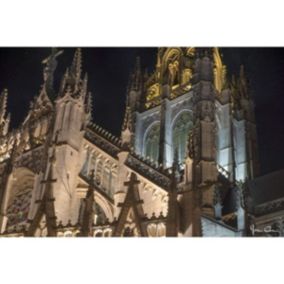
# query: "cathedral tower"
[69,114]
[164,118]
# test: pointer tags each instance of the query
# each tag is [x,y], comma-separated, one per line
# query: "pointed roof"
[136,76]
[76,67]
[72,82]
[132,203]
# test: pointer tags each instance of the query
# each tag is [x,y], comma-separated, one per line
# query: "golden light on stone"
[152,97]
[220,70]
[172,69]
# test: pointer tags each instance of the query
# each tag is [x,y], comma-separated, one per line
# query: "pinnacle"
[3,103]
[76,67]
[127,119]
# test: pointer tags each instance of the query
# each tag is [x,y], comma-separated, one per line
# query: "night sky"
[108,70]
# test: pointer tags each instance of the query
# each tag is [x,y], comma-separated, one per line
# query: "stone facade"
[187,148]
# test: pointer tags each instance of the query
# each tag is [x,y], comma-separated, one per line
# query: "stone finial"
[76,67]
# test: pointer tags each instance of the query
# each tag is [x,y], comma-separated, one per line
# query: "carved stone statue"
[50,64]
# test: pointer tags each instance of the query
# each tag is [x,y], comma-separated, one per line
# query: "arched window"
[152,142]
[181,129]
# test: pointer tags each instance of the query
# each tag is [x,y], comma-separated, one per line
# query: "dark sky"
[108,70]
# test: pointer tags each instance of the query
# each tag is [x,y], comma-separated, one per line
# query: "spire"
[127,129]
[64,81]
[127,122]
[72,82]
[126,133]
[76,67]
[3,104]
[89,103]
[159,63]
[84,87]
[136,77]
[4,120]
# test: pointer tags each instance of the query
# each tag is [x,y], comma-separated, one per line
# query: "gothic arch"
[181,125]
[104,205]
[151,141]
[100,198]
[170,54]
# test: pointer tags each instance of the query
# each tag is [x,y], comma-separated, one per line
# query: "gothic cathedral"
[187,151]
